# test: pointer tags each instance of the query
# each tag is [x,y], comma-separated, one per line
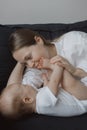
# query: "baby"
[69,99]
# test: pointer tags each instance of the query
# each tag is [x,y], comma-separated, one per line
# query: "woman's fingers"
[56,59]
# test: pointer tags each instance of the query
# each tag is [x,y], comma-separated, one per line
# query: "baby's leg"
[74,86]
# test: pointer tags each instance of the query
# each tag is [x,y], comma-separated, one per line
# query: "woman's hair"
[23,38]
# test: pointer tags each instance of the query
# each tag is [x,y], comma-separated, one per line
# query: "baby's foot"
[44,63]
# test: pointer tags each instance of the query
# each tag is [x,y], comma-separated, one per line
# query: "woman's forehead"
[20,55]
[22,50]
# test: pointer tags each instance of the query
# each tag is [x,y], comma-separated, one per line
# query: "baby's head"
[17,100]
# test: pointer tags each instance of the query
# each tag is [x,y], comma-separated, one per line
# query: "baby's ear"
[27,100]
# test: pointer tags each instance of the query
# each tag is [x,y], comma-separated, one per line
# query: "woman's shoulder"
[75,34]
[71,34]
[67,34]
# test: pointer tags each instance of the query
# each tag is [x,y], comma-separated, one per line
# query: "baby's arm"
[16,75]
[77,72]
[55,77]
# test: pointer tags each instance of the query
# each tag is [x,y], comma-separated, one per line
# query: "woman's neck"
[52,51]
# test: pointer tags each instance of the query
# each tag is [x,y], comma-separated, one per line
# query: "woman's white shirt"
[73,47]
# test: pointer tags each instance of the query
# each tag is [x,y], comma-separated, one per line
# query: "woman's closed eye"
[29,57]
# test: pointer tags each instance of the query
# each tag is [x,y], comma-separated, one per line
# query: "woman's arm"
[16,75]
[77,72]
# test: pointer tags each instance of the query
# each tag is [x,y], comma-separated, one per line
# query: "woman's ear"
[38,39]
[27,100]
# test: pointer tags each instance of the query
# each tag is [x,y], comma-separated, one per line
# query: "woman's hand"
[61,61]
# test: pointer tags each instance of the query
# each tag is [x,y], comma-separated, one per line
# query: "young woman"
[69,50]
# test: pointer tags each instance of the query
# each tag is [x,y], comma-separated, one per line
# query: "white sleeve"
[45,99]
[75,50]
[83,64]
[84,80]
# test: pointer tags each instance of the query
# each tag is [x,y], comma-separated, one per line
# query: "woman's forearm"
[16,74]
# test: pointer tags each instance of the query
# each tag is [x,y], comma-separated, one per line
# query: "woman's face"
[31,55]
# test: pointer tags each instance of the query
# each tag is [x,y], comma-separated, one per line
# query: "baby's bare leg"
[74,86]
